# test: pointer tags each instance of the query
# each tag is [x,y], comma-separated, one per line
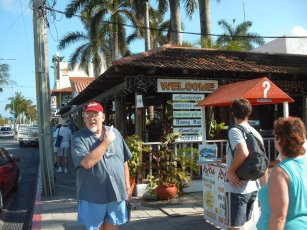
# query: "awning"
[258,91]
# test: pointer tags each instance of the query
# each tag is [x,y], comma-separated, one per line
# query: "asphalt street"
[18,206]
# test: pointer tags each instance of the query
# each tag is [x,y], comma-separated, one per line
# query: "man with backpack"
[239,194]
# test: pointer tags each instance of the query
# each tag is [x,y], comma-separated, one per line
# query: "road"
[18,206]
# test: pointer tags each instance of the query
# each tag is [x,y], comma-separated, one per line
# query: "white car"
[28,136]
[6,131]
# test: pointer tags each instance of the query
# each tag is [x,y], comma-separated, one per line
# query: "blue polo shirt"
[105,181]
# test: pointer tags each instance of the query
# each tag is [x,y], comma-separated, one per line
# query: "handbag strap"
[59,131]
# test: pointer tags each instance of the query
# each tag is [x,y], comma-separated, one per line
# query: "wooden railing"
[221,144]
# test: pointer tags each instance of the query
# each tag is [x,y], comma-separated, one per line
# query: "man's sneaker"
[65,170]
[59,170]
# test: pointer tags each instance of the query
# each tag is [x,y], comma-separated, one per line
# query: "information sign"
[213,178]
[187,122]
[178,105]
[188,130]
[188,97]
[186,114]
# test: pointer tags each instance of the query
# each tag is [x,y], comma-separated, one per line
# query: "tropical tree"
[91,49]
[3,121]
[205,19]
[31,112]
[238,38]
[19,105]
[159,33]
[107,18]
[174,7]
[4,75]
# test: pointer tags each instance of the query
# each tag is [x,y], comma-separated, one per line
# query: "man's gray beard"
[93,129]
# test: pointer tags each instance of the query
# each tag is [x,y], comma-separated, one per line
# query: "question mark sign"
[267,86]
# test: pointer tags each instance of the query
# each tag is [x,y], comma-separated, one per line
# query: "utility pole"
[43,96]
[13,107]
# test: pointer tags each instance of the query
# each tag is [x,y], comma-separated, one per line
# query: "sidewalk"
[60,211]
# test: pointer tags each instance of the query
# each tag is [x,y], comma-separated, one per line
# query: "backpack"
[257,162]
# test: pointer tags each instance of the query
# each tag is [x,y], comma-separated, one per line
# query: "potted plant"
[169,172]
[135,145]
[216,129]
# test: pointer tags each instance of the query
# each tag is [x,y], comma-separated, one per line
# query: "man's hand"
[110,135]
[233,179]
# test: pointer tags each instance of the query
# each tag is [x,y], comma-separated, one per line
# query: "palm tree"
[238,38]
[205,18]
[116,12]
[31,113]
[174,6]
[159,29]
[18,105]
[90,51]
[4,75]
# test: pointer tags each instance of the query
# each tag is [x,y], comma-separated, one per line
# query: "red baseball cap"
[93,106]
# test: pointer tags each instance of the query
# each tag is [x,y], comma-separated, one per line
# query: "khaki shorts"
[63,152]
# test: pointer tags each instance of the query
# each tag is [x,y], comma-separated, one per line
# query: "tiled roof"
[187,58]
[80,83]
[184,62]
[64,90]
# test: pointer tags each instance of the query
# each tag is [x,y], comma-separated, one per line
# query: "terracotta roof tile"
[64,90]
[171,61]
[80,83]
[216,60]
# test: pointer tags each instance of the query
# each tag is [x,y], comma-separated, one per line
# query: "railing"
[221,146]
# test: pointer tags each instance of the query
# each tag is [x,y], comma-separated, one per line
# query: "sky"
[269,18]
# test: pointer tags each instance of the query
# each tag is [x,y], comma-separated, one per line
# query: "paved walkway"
[60,211]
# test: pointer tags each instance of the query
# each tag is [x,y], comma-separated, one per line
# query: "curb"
[37,218]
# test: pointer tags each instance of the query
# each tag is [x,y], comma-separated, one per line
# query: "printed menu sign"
[213,178]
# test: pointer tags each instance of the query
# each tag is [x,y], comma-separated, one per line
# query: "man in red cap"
[100,155]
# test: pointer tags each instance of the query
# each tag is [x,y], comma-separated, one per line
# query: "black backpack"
[257,162]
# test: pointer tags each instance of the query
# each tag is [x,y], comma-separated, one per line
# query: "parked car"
[9,174]
[28,135]
[6,131]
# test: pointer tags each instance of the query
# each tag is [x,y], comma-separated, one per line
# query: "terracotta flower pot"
[165,192]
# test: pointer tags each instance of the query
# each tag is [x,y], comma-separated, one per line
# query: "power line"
[11,26]
[20,86]
[51,9]
[25,31]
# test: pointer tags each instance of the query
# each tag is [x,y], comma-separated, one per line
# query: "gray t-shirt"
[236,137]
[105,181]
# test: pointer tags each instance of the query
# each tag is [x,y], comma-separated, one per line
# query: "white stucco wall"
[284,45]
[296,45]
[65,73]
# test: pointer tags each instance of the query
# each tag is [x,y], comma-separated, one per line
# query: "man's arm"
[127,177]
[94,156]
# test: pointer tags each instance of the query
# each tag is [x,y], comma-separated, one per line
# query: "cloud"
[298,31]
[8,5]
[14,6]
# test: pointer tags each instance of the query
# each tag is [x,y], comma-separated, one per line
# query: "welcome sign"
[186,86]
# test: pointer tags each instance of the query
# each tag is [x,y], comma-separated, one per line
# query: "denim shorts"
[93,215]
[238,208]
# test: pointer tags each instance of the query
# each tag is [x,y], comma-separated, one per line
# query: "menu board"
[213,179]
